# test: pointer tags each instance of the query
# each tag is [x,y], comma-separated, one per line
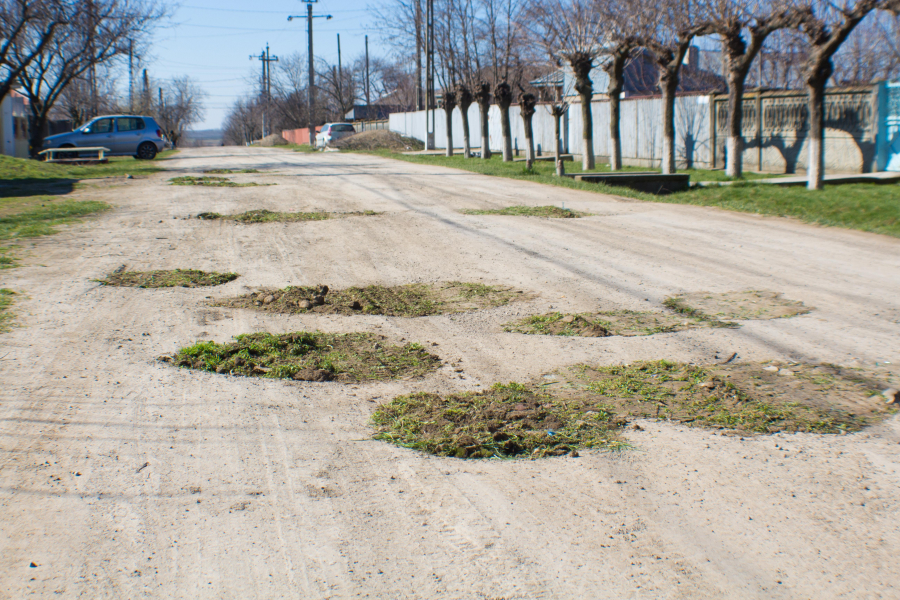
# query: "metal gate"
[892,126]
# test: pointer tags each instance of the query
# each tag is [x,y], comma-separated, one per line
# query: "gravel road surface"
[124,477]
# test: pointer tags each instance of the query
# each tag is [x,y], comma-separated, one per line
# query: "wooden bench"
[52,152]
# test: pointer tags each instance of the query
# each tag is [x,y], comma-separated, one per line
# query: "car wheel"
[146,151]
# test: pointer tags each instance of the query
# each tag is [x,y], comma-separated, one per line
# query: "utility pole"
[429,74]
[145,96]
[131,75]
[340,76]
[311,88]
[368,101]
[419,104]
[266,86]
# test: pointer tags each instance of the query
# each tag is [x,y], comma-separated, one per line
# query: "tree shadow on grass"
[23,188]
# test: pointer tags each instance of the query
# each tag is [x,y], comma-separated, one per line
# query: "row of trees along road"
[63,55]
[486,48]
[339,87]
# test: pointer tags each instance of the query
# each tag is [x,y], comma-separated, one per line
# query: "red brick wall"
[298,136]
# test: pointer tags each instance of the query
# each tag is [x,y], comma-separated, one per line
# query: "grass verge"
[188,278]
[553,212]
[40,220]
[309,356]
[505,421]
[268,216]
[6,315]
[212,181]
[24,170]
[411,300]
[866,207]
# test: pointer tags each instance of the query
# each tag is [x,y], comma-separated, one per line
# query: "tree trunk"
[448,114]
[36,139]
[615,69]
[581,64]
[615,136]
[735,142]
[529,141]
[557,117]
[669,86]
[587,132]
[815,168]
[485,131]
[506,130]
[467,146]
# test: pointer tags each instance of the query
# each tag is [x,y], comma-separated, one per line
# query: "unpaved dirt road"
[123,477]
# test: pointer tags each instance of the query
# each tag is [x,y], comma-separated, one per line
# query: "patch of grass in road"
[743,397]
[677,304]
[506,421]
[39,220]
[553,212]
[6,315]
[866,207]
[613,322]
[309,356]
[268,216]
[188,278]
[229,171]
[411,300]
[212,181]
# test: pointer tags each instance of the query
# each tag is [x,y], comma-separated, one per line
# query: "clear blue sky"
[212,40]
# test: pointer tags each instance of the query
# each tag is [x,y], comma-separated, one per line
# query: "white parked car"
[332,132]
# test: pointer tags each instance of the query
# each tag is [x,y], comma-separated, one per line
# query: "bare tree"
[182,107]
[464,99]
[448,100]
[27,27]
[669,44]
[871,52]
[827,24]
[527,106]
[557,110]
[570,31]
[743,26]
[483,98]
[243,123]
[94,35]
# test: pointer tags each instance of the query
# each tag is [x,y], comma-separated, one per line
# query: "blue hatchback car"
[124,135]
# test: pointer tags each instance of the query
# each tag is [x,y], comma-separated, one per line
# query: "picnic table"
[52,152]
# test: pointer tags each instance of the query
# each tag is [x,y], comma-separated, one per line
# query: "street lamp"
[311,90]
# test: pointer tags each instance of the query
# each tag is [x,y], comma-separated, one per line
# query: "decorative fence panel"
[862,130]
[776,128]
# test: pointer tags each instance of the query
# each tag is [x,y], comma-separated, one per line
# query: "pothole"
[160,279]
[268,216]
[586,406]
[411,300]
[309,356]
[553,212]
[609,323]
[212,181]
[747,305]
[505,421]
